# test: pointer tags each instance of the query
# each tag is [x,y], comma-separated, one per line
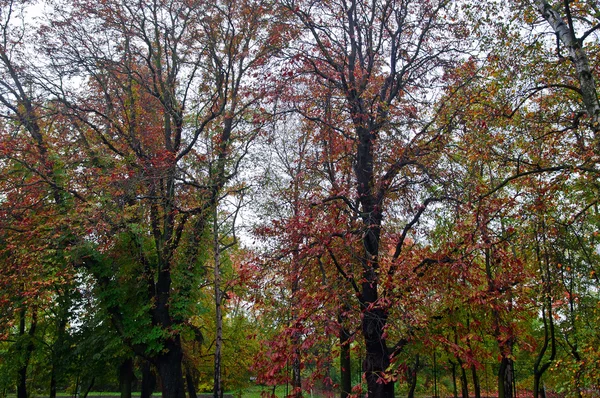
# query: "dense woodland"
[343,197]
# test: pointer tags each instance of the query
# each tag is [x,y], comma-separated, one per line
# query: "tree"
[163,119]
[378,60]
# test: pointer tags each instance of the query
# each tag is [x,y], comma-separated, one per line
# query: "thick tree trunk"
[126,378]
[505,379]
[377,357]
[57,350]
[170,370]
[169,362]
[148,380]
[374,319]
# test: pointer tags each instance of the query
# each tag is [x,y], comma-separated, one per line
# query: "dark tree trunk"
[345,362]
[170,370]
[454,385]
[126,378]
[476,385]
[412,377]
[464,383]
[191,383]
[58,350]
[169,361]
[148,380]
[377,356]
[27,350]
[505,379]
[89,388]
[52,380]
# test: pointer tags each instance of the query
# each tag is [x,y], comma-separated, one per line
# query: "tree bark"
[579,58]
[168,364]
[454,384]
[377,357]
[191,383]
[476,385]
[217,386]
[148,380]
[27,350]
[413,377]
[345,362]
[464,382]
[505,378]
[58,348]
[126,377]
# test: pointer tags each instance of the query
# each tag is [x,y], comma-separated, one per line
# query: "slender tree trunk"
[505,371]
[28,347]
[345,362]
[476,385]
[52,380]
[412,377]
[191,383]
[126,377]
[217,386]
[454,385]
[540,368]
[464,382]
[89,388]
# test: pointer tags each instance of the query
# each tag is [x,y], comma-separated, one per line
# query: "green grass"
[256,392]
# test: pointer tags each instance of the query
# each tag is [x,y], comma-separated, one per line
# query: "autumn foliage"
[344,197]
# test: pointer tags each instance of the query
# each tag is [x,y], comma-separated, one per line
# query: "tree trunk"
[345,362]
[464,383]
[412,377]
[27,351]
[377,356]
[52,380]
[191,383]
[540,368]
[169,369]
[505,379]
[454,385]
[217,385]
[126,377]
[578,57]
[476,385]
[148,380]
[58,349]
[89,388]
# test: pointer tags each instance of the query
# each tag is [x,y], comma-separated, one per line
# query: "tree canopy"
[350,197]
